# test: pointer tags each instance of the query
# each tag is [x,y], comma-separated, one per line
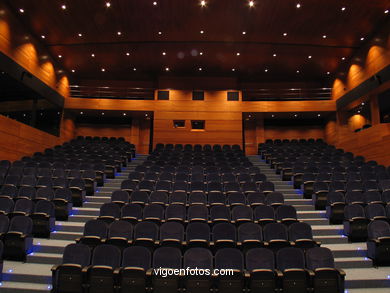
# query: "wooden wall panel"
[18,140]
[293,132]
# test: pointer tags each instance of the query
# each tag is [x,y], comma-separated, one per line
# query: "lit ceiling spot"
[164,53]
[238,54]
[81,113]
[73,70]
[244,33]
[80,35]
[342,8]
[295,115]
[160,33]
[63,7]
[343,58]
[266,70]
[359,111]
[362,39]
[21,10]
[127,54]
[272,115]
[119,33]
[386,11]
[309,56]
[108,4]
[134,69]
[102,113]
[319,115]
[233,69]
[298,71]
[201,53]
[362,103]
[124,114]
[298,5]
[103,70]
[93,55]
[43,37]
[284,34]
[200,69]
[59,56]
[202,3]
[166,68]
[251,3]
[328,73]
[274,55]
[324,36]
[154,3]
[202,32]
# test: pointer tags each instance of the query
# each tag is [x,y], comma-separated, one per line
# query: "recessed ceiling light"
[63,7]
[251,3]
[309,56]
[119,33]
[266,70]
[328,73]
[21,10]
[343,58]
[81,113]
[166,68]
[200,69]
[295,115]
[319,115]
[127,54]
[73,70]
[154,3]
[92,55]
[342,8]
[386,11]
[124,114]
[80,35]
[102,113]
[272,115]
[324,36]
[160,33]
[362,39]
[108,4]
[134,69]
[359,111]
[201,53]
[244,33]
[43,37]
[298,5]
[233,69]
[362,103]
[298,71]
[274,55]
[284,34]
[201,31]
[103,70]
[238,54]
[164,53]
[59,56]
[202,3]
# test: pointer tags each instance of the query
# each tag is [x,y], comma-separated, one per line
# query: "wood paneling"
[18,140]
[293,132]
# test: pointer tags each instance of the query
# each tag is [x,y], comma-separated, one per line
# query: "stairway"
[351,257]
[35,275]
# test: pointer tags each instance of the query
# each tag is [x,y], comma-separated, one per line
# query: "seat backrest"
[77,254]
[229,258]
[24,205]
[167,257]
[132,210]
[106,255]
[172,230]
[353,211]
[4,223]
[260,259]
[121,229]
[300,230]
[249,231]
[378,228]
[264,212]
[137,256]
[21,224]
[224,231]
[319,257]
[290,258]
[110,209]
[198,257]
[46,207]
[286,211]
[273,231]
[96,228]
[146,230]
[198,230]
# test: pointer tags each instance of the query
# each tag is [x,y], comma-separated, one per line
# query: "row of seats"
[73,196]
[198,197]
[199,212]
[197,147]
[197,234]
[136,269]
[200,186]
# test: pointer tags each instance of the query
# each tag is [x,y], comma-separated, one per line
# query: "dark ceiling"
[321,29]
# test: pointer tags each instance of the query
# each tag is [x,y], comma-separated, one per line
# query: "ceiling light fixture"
[324,36]
[21,10]
[119,33]
[154,3]
[80,35]
[200,69]
[328,73]
[233,69]
[238,54]
[81,113]
[108,4]
[134,69]
[265,70]
[319,115]
[386,11]
[43,37]
[73,70]
[127,54]
[309,56]
[298,5]
[343,58]
[103,70]
[63,7]
[124,114]
[102,113]
[59,56]
[272,115]
[93,55]
[274,55]
[244,33]
[202,3]
[295,115]
[164,53]
[342,8]
[201,53]
[284,34]
[298,71]
[166,68]
[251,3]
[362,39]
[201,31]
